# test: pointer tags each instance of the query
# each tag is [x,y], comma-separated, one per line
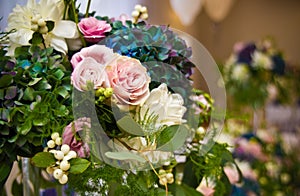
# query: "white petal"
[65,29]
[59,44]
[22,36]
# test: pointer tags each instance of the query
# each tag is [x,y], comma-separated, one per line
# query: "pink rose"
[100,53]
[92,29]
[71,137]
[129,80]
[89,70]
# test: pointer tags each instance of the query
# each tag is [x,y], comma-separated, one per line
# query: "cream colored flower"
[262,60]
[240,72]
[33,17]
[141,147]
[166,106]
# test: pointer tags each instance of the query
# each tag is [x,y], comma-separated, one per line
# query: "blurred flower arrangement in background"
[267,159]
[253,73]
[104,105]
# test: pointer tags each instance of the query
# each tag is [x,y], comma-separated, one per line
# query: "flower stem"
[166,184]
[87,9]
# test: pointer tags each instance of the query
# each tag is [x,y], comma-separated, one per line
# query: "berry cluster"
[139,12]
[38,24]
[62,154]
[165,176]
[102,94]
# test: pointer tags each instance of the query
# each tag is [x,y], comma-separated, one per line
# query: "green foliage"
[172,138]
[78,165]
[35,100]
[43,159]
[127,124]
[209,165]
[104,179]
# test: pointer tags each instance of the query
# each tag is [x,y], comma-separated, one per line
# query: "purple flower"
[71,137]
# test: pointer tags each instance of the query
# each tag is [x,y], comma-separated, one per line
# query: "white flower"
[33,17]
[166,106]
[141,147]
[240,72]
[261,60]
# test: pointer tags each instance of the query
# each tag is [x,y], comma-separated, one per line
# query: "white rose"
[167,107]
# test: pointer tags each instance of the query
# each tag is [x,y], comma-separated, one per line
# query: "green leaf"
[23,129]
[172,138]
[34,81]
[28,94]
[125,156]
[37,38]
[43,85]
[62,91]
[59,74]
[127,124]
[21,52]
[1,94]
[78,165]
[183,190]
[50,25]
[43,159]
[40,121]
[6,80]
[11,92]
[61,111]
[117,24]
[4,171]
[13,139]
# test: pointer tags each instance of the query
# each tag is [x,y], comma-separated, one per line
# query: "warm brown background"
[248,20]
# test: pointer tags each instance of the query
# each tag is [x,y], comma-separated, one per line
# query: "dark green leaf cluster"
[35,94]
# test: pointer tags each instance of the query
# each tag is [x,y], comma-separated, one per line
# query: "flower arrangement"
[252,70]
[105,105]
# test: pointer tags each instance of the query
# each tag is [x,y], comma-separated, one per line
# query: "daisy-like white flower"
[31,18]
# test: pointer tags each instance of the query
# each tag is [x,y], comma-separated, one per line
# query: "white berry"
[58,141]
[54,135]
[63,179]
[65,148]
[138,7]
[171,180]
[144,16]
[59,155]
[41,22]
[143,9]
[162,172]
[163,181]
[52,151]
[72,154]
[57,173]
[169,176]
[64,165]
[135,14]
[50,170]
[43,30]
[51,144]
